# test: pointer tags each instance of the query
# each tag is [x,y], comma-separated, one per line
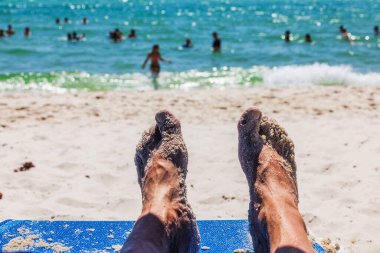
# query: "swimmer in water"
[66,20]
[57,21]
[376,30]
[75,36]
[287,36]
[308,38]
[341,29]
[10,31]
[155,57]
[132,34]
[2,33]
[27,32]
[116,35]
[85,21]
[217,44]
[69,37]
[346,35]
[188,43]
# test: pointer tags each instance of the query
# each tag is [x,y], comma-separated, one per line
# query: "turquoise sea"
[253,52]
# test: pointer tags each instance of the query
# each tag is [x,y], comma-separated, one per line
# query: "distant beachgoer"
[188,43]
[308,38]
[2,33]
[69,37]
[66,20]
[27,32]
[10,30]
[341,29]
[116,35]
[155,57]
[376,30]
[287,36]
[85,21]
[57,21]
[75,36]
[132,34]
[346,35]
[217,44]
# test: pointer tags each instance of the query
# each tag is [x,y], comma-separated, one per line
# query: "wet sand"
[82,148]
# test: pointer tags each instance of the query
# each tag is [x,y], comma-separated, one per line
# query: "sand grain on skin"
[275,136]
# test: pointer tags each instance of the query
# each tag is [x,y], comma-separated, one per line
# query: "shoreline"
[82,145]
[255,76]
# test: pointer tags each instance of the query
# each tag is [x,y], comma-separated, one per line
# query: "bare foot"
[266,155]
[165,139]
[161,161]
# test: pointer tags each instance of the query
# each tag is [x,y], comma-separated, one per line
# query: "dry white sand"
[82,146]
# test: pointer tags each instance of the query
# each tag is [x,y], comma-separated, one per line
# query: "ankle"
[283,221]
[279,212]
[161,190]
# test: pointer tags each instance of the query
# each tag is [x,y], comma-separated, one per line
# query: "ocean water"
[253,52]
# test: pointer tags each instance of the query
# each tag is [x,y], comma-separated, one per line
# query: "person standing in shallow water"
[217,44]
[116,35]
[308,38]
[341,29]
[376,30]
[27,32]
[155,58]
[10,30]
[287,36]
[346,36]
[132,34]
[188,43]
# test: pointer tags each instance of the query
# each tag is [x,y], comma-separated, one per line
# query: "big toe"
[250,121]
[167,123]
[250,143]
[172,146]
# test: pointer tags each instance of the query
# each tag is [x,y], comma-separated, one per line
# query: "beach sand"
[82,146]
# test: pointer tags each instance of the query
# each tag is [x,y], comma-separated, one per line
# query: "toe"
[250,143]
[167,123]
[148,142]
[250,121]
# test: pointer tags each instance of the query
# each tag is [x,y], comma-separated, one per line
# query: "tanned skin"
[166,222]
[275,222]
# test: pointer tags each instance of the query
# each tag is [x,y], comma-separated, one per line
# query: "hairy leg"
[266,156]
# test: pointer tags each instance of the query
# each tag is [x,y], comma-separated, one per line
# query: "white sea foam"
[319,74]
[303,75]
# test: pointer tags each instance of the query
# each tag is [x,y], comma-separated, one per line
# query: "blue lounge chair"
[108,236]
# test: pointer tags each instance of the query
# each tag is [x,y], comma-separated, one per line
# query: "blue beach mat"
[218,236]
